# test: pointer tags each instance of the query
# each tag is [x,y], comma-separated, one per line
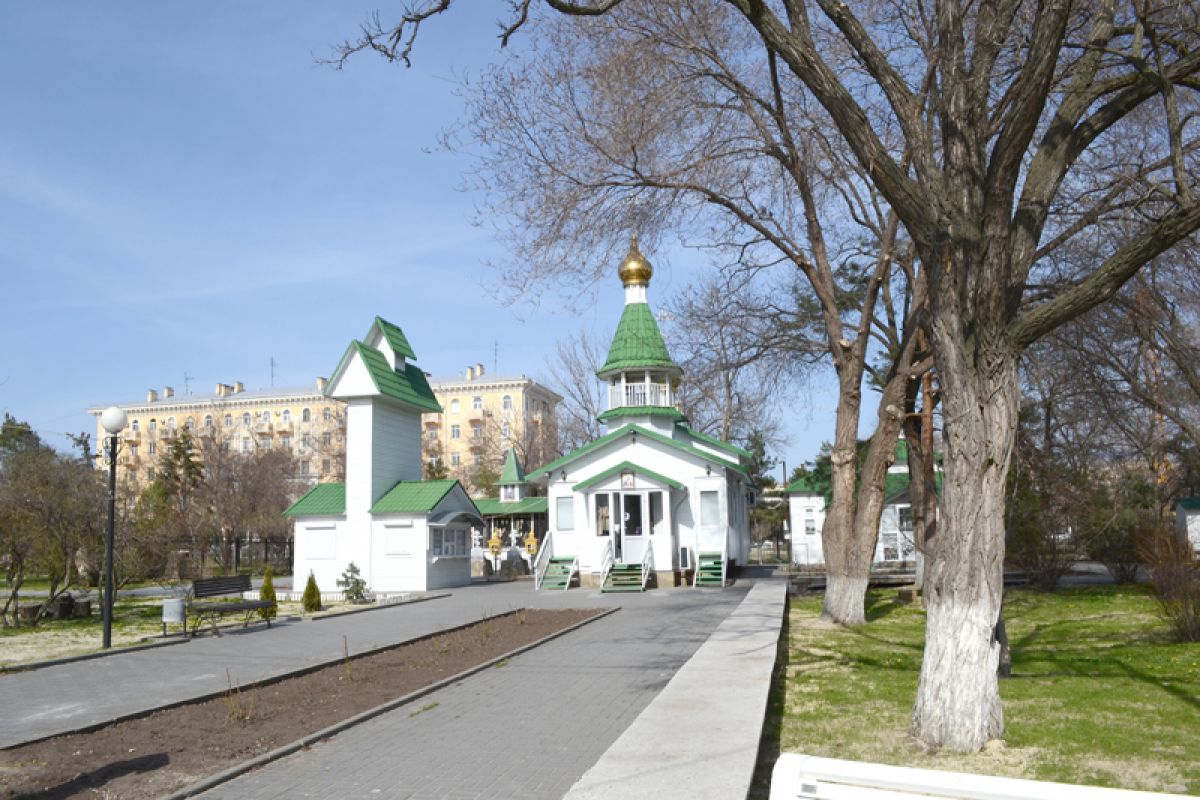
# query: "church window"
[564,513]
[710,508]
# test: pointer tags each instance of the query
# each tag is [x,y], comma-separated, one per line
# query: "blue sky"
[183,191]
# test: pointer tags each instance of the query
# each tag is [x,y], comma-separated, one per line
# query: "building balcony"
[640,394]
[130,435]
[263,428]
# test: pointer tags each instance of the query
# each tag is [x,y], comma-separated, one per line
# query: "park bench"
[218,587]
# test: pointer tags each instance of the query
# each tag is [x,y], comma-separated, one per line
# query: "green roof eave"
[409,387]
[629,430]
[637,343]
[728,447]
[395,337]
[495,507]
[413,497]
[619,468]
[640,411]
[324,499]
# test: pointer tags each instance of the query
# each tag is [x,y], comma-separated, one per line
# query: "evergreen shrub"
[312,595]
[267,592]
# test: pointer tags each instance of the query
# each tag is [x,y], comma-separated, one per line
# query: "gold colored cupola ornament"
[635,270]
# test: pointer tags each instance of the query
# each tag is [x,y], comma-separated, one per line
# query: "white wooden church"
[653,502]
[404,534]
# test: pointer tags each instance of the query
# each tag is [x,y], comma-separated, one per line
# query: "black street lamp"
[113,421]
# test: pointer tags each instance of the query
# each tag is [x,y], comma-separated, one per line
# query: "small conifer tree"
[354,587]
[312,595]
[267,592]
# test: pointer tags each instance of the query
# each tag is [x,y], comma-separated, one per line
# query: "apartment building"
[302,420]
[482,417]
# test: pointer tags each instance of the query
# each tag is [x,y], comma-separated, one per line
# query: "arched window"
[171,423]
[266,416]
[506,403]
[153,426]
[246,419]
[454,406]
[135,426]
[189,423]
[476,402]
[208,420]
[505,430]
[228,420]
[287,415]
[326,414]
[306,415]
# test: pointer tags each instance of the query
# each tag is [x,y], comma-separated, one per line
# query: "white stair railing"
[725,555]
[543,560]
[647,564]
[606,562]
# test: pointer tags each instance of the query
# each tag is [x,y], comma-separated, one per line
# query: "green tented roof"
[511,473]
[619,468]
[409,386]
[413,497]
[640,411]
[395,337]
[637,342]
[728,447]
[631,430]
[495,507]
[324,498]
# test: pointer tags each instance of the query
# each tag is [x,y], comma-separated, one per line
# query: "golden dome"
[635,269]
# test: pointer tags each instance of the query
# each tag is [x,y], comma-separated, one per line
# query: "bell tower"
[641,377]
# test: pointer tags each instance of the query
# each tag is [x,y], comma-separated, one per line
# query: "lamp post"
[113,421]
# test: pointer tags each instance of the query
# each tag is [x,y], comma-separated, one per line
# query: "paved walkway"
[529,729]
[51,700]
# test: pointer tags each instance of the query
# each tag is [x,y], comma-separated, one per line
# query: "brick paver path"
[528,729]
[51,700]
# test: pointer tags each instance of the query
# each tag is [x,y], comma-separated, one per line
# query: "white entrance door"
[633,528]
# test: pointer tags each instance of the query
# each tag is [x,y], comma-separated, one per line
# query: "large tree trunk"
[958,700]
[846,571]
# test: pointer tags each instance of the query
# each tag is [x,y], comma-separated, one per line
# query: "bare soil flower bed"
[167,750]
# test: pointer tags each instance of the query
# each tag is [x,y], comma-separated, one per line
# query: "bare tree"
[572,373]
[1001,134]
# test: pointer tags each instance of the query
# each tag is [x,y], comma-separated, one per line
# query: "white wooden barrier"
[799,776]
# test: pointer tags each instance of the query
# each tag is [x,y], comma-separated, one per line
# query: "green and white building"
[404,534]
[652,501]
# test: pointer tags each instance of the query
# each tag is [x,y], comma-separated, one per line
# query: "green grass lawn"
[1099,694]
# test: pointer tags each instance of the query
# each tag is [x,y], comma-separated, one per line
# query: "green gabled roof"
[803,484]
[413,497]
[896,483]
[395,337]
[511,473]
[410,386]
[619,468]
[495,507]
[728,447]
[629,430]
[637,342]
[640,411]
[324,498]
